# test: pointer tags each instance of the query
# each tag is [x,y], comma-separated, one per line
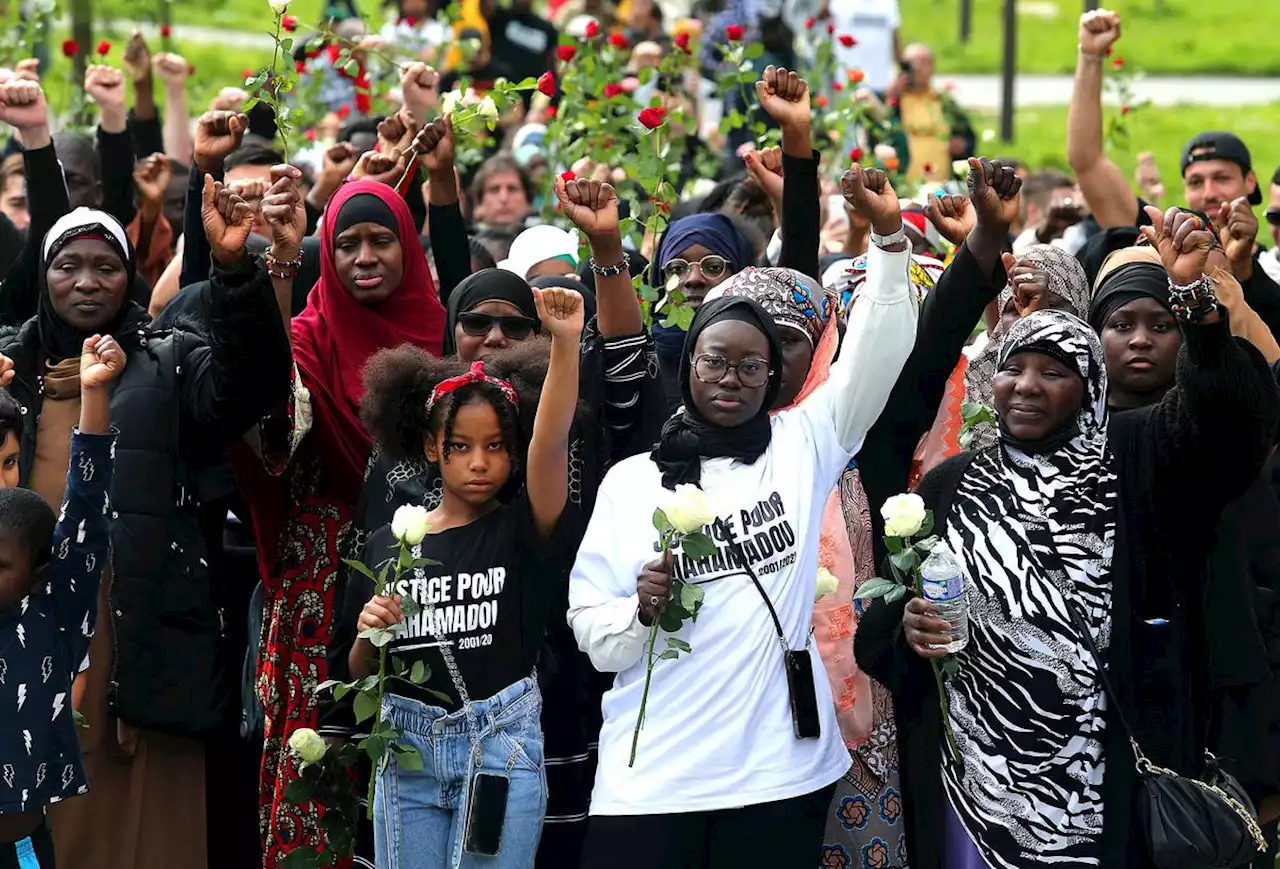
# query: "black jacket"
[1179,464]
[182,399]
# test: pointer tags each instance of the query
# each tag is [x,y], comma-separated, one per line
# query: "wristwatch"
[890,239]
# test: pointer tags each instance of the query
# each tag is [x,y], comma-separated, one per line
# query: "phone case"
[486,813]
[804,697]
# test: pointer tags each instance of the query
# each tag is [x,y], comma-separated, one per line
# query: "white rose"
[688,509]
[903,515]
[307,745]
[488,109]
[885,152]
[827,584]
[451,101]
[409,524]
[279,7]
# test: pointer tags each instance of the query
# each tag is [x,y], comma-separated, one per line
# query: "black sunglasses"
[479,325]
[1273,217]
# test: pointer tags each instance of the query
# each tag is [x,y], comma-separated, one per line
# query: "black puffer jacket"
[183,398]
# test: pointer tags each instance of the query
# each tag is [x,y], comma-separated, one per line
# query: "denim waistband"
[509,704]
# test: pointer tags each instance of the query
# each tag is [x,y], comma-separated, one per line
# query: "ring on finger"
[654,600]
[1024,278]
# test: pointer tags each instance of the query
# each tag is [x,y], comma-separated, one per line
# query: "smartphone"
[804,697]
[486,812]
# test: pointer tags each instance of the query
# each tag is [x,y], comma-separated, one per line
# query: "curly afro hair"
[399,381]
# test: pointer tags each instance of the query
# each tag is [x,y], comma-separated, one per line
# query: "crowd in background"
[225,371]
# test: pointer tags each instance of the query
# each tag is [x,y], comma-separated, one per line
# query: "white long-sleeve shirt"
[718,730]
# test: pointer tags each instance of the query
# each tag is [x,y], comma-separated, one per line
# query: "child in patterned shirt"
[50,568]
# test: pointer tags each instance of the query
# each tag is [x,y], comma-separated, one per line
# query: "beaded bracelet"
[1194,301]
[283,271]
[613,270]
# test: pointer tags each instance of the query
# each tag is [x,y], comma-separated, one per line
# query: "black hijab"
[687,438]
[487,285]
[1119,287]
[60,340]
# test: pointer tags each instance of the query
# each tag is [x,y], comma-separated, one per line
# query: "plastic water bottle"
[943,576]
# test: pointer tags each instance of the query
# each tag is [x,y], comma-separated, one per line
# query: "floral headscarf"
[790,298]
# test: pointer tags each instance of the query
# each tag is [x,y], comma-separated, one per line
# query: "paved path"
[977,91]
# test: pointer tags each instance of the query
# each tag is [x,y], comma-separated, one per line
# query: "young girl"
[482,608]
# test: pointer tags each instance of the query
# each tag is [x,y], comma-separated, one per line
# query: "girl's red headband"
[474,375]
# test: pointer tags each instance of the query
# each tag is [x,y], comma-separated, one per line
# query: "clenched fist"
[869,192]
[1099,30]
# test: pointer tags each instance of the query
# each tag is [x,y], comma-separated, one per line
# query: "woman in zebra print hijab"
[1111,517]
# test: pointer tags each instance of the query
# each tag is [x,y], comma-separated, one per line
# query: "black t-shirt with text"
[488,596]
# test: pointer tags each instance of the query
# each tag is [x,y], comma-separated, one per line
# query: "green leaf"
[418,674]
[365,706]
[286,44]
[351,67]
[895,593]
[755,51]
[409,607]
[695,544]
[677,643]
[894,544]
[874,588]
[299,791]
[360,567]
[670,620]
[691,597]
[410,760]
[660,521]
[301,858]
[926,527]
[375,747]
[907,560]
[250,103]
[669,655]
[379,637]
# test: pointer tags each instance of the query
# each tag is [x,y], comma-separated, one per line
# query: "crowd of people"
[626,461]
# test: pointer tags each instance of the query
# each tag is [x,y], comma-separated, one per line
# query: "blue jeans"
[418,817]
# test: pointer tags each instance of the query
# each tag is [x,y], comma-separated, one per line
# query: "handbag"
[1187,823]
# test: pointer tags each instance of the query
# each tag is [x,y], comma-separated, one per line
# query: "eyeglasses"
[753,372]
[711,266]
[1273,218]
[480,325]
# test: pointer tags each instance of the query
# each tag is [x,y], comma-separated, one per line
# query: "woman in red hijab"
[375,291]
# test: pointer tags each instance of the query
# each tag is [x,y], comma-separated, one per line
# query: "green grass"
[1187,36]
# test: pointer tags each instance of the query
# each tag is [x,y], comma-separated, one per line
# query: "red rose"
[809,22]
[652,118]
[311,135]
[166,31]
[820,101]
[549,113]
[893,101]
[617,40]
[611,90]
[409,21]
[734,32]
[104,48]
[592,29]
[313,52]
[847,41]
[246,73]
[288,24]
[1124,110]
[547,84]
[855,156]
[566,53]
[343,111]
[300,66]
[568,175]
[831,28]
[855,76]
[682,42]
[836,86]
[1117,63]
[70,48]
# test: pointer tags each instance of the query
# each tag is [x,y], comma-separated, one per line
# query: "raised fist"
[869,192]
[993,189]
[227,220]
[765,167]
[284,212]
[420,87]
[106,85]
[952,215]
[562,313]
[22,104]
[173,69]
[101,361]
[1099,30]
[436,146]
[137,57]
[784,95]
[151,176]
[386,168]
[1239,231]
[1182,242]
[218,133]
[591,205]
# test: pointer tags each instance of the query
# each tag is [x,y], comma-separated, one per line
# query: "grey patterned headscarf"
[1068,282]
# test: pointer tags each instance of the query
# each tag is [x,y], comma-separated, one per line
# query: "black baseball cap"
[1221,145]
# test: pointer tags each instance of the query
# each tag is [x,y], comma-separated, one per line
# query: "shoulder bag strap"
[736,548]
